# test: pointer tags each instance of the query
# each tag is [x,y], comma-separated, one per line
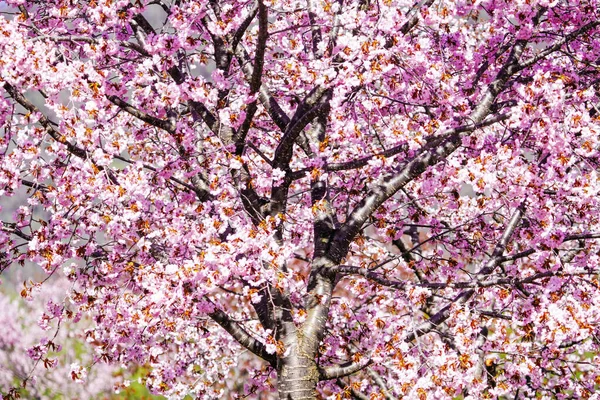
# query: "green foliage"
[136,390]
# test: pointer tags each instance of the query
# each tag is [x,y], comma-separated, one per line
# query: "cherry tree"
[349,198]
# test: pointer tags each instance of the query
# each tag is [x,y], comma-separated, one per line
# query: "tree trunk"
[297,371]
[297,374]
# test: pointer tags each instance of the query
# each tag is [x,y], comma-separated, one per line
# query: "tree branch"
[353,392]
[494,261]
[315,28]
[37,186]
[199,184]
[557,45]
[413,16]
[339,371]
[316,103]
[382,280]
[147,118]
[44,121]
[462,297]
[87,39]
[579,236]
[241,335]
[255,77]
[284,151]
[380,382]
[10,227]
[361,162]
[432,153]
[199,109]
[200,193]
[267,100]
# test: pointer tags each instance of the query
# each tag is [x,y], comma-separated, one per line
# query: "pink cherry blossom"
[305,199]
